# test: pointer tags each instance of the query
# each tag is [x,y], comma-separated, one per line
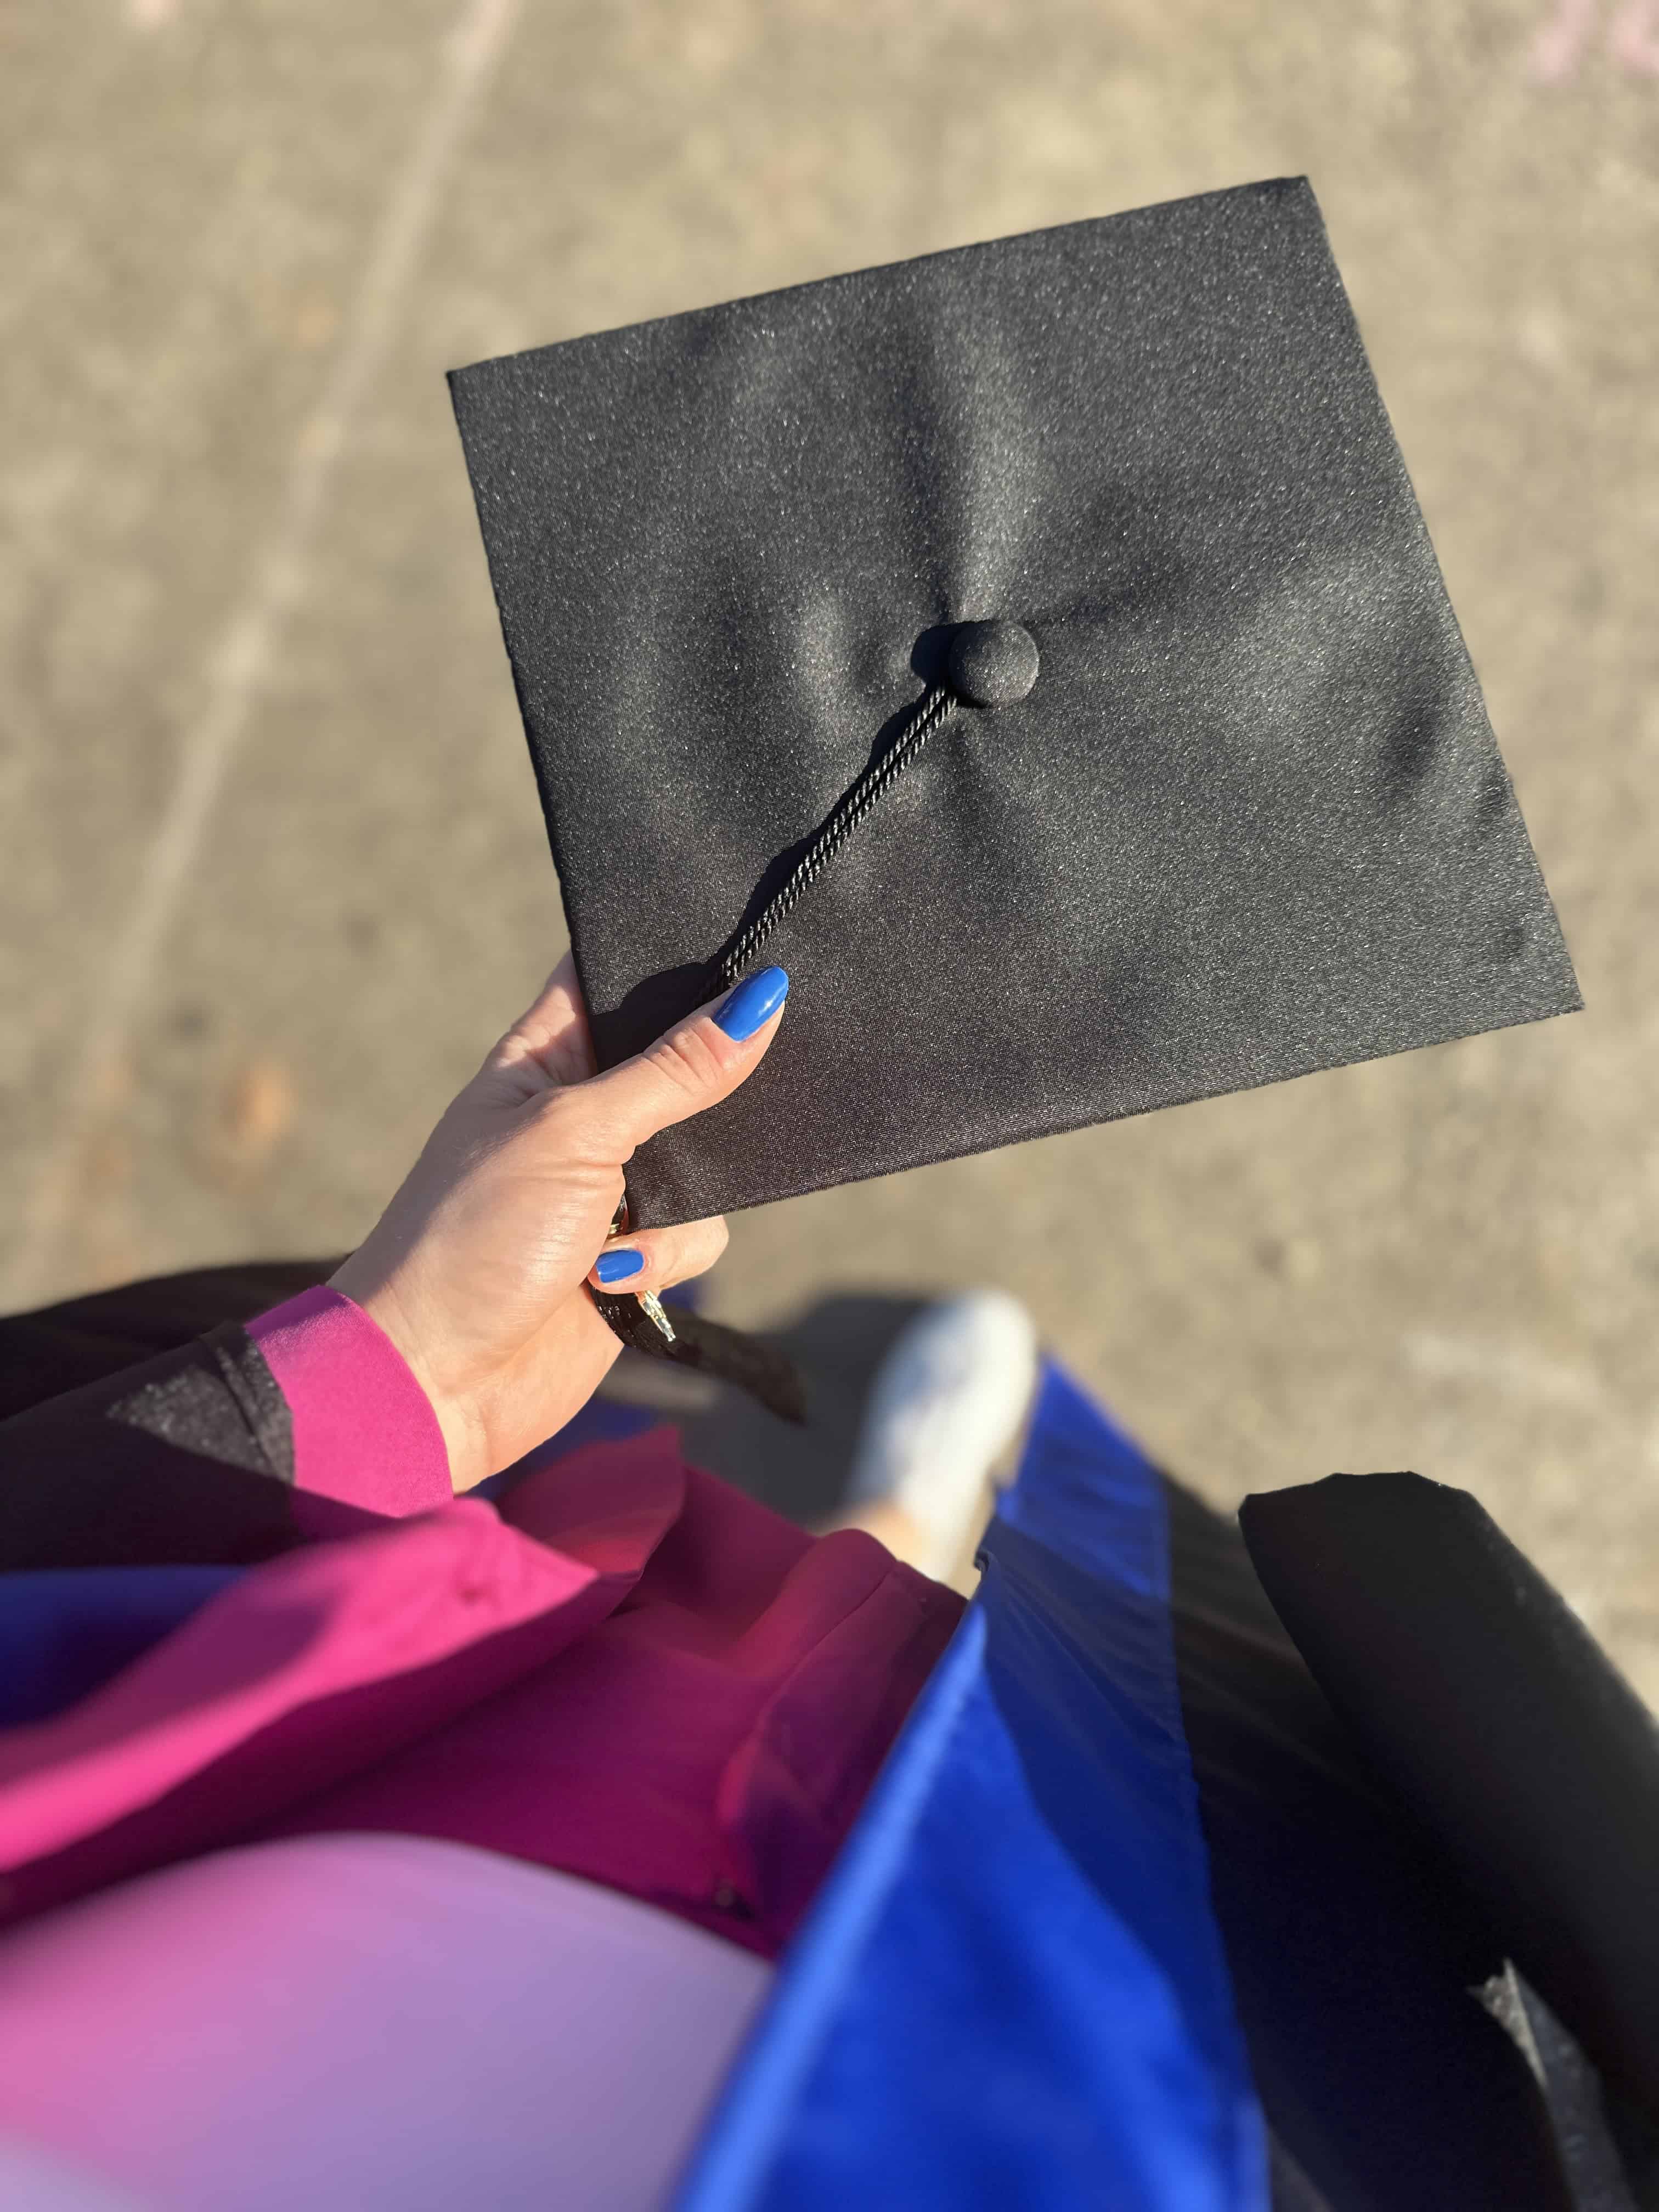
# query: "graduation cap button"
[991,664]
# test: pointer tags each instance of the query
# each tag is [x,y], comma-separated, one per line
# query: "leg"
[941,1430]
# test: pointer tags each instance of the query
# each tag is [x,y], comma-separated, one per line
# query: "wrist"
[464,1440]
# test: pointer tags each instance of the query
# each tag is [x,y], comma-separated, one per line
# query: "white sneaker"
[946,1407]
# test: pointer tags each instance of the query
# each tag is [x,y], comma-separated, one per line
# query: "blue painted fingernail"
[754,1002]
[617,1266]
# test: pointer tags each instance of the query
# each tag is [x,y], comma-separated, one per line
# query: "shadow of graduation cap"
[1035,648]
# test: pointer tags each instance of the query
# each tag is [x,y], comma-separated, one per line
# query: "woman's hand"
[475,1269]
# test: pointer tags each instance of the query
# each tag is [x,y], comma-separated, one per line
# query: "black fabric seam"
[256,1393]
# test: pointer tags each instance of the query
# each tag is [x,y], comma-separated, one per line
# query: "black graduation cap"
[1036,649]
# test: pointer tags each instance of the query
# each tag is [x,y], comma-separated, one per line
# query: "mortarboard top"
[1206,797]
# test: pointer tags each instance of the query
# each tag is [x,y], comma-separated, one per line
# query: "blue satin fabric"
[66,1631]
[1012,1993]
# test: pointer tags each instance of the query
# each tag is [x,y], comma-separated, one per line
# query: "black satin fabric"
[1251,820]
[1468,1683]
[1355,1949]
[141,1426]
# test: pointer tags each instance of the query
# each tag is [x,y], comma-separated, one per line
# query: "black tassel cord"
[849,810]
[687,1338]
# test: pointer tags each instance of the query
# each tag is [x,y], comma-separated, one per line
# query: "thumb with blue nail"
[477,1270]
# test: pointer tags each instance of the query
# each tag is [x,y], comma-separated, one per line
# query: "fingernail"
[617,1266]
[754,1002]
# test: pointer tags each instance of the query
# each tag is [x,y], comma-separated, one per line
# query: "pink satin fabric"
[632,1673]
[363,1432]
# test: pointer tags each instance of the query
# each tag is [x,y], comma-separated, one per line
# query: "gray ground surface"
[273,872]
